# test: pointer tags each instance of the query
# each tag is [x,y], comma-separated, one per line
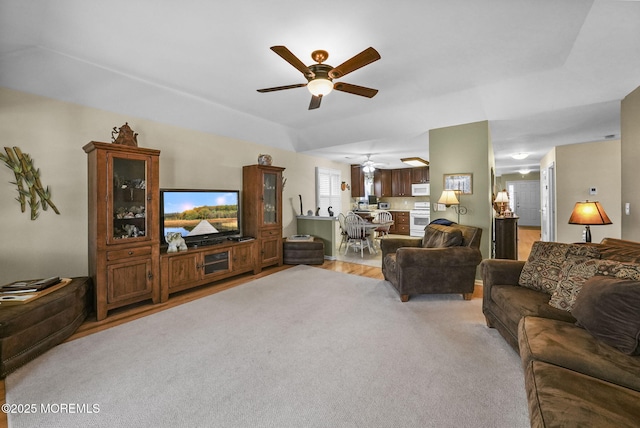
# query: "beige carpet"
[304,347]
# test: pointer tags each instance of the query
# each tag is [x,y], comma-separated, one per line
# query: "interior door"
[524,200]
[547,211]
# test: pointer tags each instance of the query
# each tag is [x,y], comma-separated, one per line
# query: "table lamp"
[503,199]
[588,213]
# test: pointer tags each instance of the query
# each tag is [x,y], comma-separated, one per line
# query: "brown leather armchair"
[443,261]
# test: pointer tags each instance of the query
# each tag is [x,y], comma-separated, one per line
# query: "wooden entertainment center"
[198,266]
[126,262]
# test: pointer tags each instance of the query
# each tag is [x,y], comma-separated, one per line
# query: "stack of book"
[22,291]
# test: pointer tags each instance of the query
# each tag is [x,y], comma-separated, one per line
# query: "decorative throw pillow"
[608,309]
[541,272]
[577,270]
[438,236]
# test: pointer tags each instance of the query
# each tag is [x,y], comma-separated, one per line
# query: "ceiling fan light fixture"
[367,167]
[320,86]
[415,161]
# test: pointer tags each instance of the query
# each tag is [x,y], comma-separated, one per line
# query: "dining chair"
[357,237]
[385,219]
[343,230]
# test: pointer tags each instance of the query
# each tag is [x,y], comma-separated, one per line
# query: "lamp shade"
[589,213]
[502,197]
[448,198]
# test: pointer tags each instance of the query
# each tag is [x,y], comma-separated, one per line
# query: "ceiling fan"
[369,166]
[320,76]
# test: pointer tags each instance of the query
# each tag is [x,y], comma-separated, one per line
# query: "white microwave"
[421,189]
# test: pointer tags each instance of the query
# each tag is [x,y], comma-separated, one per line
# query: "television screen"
[200,215]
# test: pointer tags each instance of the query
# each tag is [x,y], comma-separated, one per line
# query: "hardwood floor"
[526,237]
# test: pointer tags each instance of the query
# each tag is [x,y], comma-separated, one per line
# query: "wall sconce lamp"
[345,186]
[449,198]
[415,161]
[589,213]
[503,199]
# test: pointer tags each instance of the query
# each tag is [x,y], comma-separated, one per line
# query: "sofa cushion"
[542,270]
[608,308]
[620,250]
[439,236]
[564,344]
[576,270]
[558,397]
[517,302]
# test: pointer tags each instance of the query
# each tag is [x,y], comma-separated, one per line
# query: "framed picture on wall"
[459,182]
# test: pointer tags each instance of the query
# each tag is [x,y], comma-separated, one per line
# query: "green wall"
[464,149]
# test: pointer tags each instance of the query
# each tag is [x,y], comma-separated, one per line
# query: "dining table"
[371,226]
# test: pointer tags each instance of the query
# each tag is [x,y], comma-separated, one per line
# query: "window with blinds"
[328,190]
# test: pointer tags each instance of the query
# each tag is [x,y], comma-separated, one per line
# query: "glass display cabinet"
[262,210]
[124,234]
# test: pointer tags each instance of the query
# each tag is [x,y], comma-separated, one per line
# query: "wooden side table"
[506,238]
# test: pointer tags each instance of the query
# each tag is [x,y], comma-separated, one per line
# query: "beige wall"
[53,133]
[579,167]
[630,126]
[501,182]
[464,149]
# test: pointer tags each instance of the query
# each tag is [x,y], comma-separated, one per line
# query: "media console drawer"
[128,252]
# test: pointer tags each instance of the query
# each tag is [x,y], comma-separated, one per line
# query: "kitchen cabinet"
[401,182]
[357,181]
[401,223]
[420,175]
[262,211]
[382,184]
[124,237]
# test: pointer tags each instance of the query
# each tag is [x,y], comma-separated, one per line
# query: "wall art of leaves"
[28,182]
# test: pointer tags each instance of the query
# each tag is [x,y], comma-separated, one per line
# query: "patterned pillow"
[542,270]
[577,270]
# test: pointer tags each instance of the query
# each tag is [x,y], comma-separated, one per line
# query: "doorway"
[524,201]
[548,211]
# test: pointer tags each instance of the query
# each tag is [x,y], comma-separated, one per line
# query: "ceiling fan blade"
[280,88]
[365,57]
[288,56]
[315,102]
[355,89]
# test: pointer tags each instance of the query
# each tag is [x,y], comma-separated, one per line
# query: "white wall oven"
[419,218]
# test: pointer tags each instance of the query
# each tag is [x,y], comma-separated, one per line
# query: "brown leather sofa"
[30,329]
[554,310]
[443,261]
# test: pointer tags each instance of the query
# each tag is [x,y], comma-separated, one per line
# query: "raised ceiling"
[543,73]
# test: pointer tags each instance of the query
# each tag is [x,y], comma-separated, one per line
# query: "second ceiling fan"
[320,76]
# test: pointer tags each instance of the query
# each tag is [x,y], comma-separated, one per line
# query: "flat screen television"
[202,216]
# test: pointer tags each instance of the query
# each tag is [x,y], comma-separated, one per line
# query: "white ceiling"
[542,72]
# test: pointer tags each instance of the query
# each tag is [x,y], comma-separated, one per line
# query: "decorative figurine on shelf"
[132,231]
[265,160]
[176,242]
[126,136]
